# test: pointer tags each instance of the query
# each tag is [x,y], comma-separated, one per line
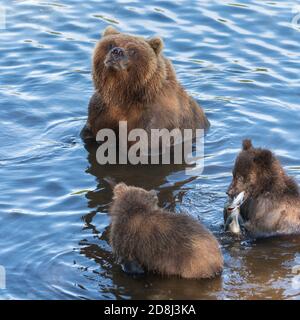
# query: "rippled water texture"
[239,60]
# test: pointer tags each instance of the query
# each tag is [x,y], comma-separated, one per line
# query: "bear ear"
[153,194]
[120,189]
[264,158]
[156,44]
[109,31]
[247,144]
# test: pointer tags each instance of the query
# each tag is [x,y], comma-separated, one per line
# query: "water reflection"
[239,60]
[160,179]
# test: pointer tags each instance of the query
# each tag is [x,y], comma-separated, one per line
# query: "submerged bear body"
[158,240]
[134,82]
[272,198]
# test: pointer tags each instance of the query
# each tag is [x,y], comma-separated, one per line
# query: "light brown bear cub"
[134,82]
[158,240]
[272,198]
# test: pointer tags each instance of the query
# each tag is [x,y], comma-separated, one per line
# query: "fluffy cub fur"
[272,203]
[158,240]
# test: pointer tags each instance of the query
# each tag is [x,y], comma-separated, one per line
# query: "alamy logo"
[159,146]
[2,278]
[296,18]
[2,17]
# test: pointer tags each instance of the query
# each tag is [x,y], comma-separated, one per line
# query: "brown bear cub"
[134,82]
[160,241]
[272,198]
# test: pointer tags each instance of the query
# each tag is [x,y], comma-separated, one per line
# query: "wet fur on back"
[161,241]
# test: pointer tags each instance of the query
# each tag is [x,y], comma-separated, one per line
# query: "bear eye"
[131,52]
[110,46]
[240,179]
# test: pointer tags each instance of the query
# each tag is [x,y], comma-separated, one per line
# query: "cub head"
[254,171]
[129,200]
[125,58]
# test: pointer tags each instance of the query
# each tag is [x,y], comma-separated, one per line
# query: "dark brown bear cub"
[134,82]
[272,198]
[158,240]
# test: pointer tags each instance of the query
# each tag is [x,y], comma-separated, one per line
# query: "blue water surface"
[240,60]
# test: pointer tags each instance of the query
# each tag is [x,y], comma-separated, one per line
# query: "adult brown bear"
[134,82]
[272,198]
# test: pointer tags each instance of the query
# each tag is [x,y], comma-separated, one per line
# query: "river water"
[240,60]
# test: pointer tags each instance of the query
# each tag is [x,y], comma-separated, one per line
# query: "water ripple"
[240,60]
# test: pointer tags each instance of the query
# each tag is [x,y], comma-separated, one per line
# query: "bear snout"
[117,53]
[116,59]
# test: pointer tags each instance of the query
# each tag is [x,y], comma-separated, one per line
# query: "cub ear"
[247,144]
[264,158]
[156,44]
[120,189]
[153,194]
[109,31]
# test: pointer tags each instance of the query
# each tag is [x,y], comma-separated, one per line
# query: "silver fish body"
[234,220]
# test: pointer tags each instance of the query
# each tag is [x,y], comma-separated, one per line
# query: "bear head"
[255,171]
[125,65]
[131,200]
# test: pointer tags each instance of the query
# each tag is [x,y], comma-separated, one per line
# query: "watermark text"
[154,146]
[2,278]
[296,18]
[2,17]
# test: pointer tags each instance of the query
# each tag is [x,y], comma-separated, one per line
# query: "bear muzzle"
[116,59]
